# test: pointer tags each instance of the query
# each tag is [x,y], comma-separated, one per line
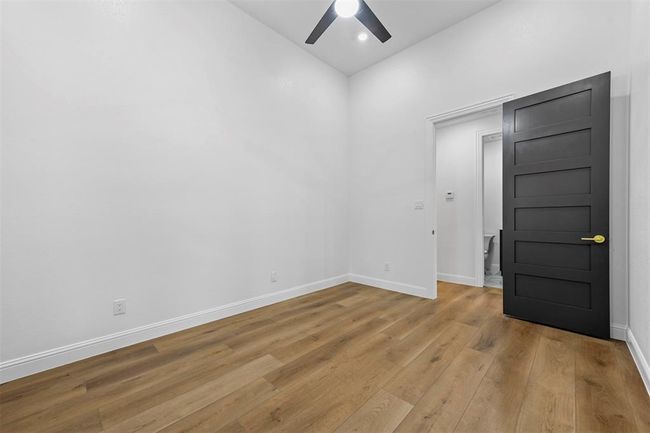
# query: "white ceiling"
[408,21]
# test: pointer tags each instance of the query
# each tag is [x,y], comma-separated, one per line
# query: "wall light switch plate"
[449,195]
[418,205]
[119,307]
[274,276]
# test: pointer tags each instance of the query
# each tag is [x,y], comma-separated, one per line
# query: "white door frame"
[479,211]
[430,172]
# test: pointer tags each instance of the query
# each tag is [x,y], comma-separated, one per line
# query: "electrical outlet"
[274,276]
[386,267]
[119,307]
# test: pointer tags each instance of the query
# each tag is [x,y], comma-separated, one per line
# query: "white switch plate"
[387,267]
[119,307]
[274,276]
[449,195]
[418,205]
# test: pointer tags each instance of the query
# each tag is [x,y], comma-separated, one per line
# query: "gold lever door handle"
[599,239]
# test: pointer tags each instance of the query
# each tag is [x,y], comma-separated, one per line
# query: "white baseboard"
[639,359]
[392,285]
[30,364]
[618,331]
[457,279]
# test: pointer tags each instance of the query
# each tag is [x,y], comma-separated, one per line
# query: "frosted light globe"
[346,8]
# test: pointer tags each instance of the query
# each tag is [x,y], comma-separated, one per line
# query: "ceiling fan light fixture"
[346,8]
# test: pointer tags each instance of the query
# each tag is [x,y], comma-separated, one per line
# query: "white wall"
[640,184]
[177,168]
[493,197]
[456,160]
[510,48]
[169,153]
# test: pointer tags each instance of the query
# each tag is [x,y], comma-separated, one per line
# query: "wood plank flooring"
[351,358]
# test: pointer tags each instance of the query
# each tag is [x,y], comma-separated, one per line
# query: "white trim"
[470,109]
[618,331]
[621,147]
[641,362]
[30,364]
[394,286]
[458,279]
[479,274]
[479,260]
[430,206]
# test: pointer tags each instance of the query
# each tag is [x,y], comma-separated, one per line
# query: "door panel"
[553,290]
[562,146]
[558,182]
[553,254]
[570,106]
[559,219]
[556,191]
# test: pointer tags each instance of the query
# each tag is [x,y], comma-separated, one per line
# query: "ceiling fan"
[346,9]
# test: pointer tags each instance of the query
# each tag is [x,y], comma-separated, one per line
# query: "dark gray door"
[556,207]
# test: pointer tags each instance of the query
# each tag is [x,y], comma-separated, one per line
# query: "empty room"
[315,216]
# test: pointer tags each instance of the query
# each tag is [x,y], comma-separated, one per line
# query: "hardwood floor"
[347,359]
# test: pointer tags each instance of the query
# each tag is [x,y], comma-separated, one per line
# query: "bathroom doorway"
[462,201]
[489,219]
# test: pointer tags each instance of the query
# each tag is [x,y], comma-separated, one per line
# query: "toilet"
[488,245]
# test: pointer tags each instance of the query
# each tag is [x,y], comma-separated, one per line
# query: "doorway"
[554,254]
[468,198]
[489,219]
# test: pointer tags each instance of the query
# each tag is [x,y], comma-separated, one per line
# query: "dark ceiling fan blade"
[323,24]
[372,23]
